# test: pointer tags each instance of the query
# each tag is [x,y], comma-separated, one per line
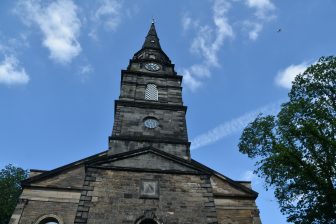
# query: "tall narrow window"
[151,92]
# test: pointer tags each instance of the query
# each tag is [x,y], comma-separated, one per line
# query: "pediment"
[148,159]
[223,187]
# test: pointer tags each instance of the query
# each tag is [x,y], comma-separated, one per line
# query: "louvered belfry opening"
[152,92]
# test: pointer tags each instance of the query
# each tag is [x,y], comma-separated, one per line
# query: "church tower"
[146,176]
[150,110]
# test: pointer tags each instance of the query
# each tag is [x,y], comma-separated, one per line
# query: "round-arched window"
[148,221]
[49,219]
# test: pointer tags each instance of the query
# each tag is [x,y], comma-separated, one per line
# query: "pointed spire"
[152,40]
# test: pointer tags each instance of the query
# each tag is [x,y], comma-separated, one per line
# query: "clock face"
[151,123]
[152,66]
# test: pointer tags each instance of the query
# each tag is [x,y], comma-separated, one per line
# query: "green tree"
[295,151]
[10,190]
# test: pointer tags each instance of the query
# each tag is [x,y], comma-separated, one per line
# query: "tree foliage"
[296,149]
[10,190]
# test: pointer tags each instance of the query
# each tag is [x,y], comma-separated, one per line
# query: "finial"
[153,21]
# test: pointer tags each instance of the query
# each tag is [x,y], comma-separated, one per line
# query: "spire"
[152,40]
[151,48]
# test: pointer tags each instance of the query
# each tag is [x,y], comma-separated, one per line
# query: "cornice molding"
[150,139]
[150,105]
[156,75]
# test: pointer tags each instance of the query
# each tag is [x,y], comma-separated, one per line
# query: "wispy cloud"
[188,22]
[207,43]
[286,76]
[232,126]
[263,8]
[11,73]
[59,24]
[263,12]
[210,38]
[85,69]
[108,15]
[254,28]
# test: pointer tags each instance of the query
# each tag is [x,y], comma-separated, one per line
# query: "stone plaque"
[149,189]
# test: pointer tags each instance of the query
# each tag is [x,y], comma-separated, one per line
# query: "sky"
[60,64]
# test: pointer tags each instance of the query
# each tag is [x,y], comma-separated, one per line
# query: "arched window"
[151,92]
[148,221]
[49,219]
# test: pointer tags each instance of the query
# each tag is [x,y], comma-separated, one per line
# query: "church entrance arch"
[148,221]
[149,217]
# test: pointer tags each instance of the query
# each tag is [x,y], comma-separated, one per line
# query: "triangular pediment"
[142,160]
[148,159]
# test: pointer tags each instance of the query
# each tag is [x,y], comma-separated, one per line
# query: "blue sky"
[60,65]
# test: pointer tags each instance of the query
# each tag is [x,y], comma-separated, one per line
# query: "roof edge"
[57,170]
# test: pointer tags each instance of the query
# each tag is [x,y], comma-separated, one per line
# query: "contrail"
[233,126]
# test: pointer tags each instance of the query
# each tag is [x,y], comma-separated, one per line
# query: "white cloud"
[262,7]
[254,29]
[200,70]
[233,126]
[189,80]
[108,14]
[11,73]
[59,24]
[85,69]
[208,40]
[188,22]
[192,75]
[207,43]
[286,76]
[264,12]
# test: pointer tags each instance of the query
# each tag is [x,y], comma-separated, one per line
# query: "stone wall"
[171,123]
[233,205]
[134,85]
[36,209]
[183,199]
[36,203]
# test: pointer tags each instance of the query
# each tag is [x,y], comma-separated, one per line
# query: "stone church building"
[146,175]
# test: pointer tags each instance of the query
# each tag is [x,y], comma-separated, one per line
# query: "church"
[146,176]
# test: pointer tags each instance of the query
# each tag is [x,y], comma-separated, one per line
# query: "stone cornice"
[156,75]
[150,105]
[146,170]
[159,86]
[234,196]
[150,139]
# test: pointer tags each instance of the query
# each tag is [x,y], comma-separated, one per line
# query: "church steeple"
[150,110]
[152,40]
[151,49]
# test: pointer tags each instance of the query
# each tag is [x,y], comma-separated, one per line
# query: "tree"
[295,151]
[10,190]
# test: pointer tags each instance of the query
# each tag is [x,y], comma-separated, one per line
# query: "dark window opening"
[49,220]
[148,221]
